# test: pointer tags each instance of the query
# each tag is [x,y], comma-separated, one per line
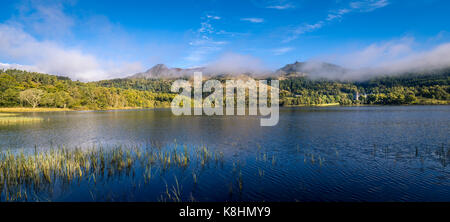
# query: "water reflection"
[315,154]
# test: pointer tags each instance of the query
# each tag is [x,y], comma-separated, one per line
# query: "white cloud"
[281,51]
[6,66]
[389,58]
[338,14]
[204,42]
[274,4]
[303,29]
[253,20]
[368,5]
[31,38]
[44,19]
[281,7]
[215,17]
[50,57]
[378,53]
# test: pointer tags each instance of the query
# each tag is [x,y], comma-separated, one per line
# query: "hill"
[296,89]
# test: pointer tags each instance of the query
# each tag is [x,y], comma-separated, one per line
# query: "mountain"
[161,71]
[309,68]
[297,69]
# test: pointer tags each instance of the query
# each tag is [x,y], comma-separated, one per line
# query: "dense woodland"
[17,88]
[387,90]
[25,89]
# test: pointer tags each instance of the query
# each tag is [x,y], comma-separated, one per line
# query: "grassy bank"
[427,101]
[314,105]
[29,110]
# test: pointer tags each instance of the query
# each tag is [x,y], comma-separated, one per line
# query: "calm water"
[393,153]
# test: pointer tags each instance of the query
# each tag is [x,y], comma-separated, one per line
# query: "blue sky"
[91,40]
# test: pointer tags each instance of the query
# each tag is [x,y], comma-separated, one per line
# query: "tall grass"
[14,118]
[19,120]
[39,171]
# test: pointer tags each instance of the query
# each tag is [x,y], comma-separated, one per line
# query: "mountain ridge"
[294,69]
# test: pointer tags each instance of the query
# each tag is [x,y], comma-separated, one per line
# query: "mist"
[391,58]
[236,64]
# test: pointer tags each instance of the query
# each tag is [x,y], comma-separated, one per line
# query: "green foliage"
[388,90]
[61,92]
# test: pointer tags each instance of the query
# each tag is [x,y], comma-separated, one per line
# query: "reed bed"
[8,114]
[19,120]
[22,174]
[34,175]
[14,118]
[31,110]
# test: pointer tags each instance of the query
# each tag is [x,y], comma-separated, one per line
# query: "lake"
[373,153]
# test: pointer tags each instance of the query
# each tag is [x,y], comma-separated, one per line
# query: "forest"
[25,89]
[383,90]
[29,89]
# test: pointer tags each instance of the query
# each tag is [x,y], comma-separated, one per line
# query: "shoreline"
[42,110]
[45,110]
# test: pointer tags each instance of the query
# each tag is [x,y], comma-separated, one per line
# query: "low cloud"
[235,64]
[387,58]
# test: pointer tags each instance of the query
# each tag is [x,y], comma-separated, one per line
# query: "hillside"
[296,90]
[61,92]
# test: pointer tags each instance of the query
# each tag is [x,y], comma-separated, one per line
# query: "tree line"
[30,89]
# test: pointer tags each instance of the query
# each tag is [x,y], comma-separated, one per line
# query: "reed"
[34,175]
[8,114]
[9,120]
[22,173]
[29,109]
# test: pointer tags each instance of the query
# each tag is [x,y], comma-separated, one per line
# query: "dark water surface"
[391,153]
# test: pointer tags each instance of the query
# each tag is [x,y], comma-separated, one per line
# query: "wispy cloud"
[281,7]
[368,5]
[275,4]
[303,29]
[337,14]
[215,17]
[281,51]
[204,42]
[253,20]
[44,19]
